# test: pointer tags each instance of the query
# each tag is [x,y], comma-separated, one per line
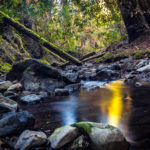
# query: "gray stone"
[62,136]
[100,68]
[114,67]
[31,98]
[72,76]
[104,137]
[144,69]
[5,85]
[105,75]
[15,87]
[8,104]
[61,92]
[142,63]
[29,139]
[73,87]
[15,123]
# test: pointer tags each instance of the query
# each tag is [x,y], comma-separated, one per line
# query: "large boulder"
[15,123]
[7,104]
[36,76]
[103,137]
[62,136]
[29,139]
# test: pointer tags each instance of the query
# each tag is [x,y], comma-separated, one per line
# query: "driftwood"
[82,58]
[94,57]
[24,30]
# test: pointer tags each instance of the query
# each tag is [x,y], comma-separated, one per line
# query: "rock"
[29,139]
[32,82]
[7,104]
[126,60]
[4,85]
[36,66]
[103,137]
[72,76]
[80,143]
[138,84]
[100,68]
[62,136]
[91,88]
[73,87]
[61,92]
[15,123]
[114,67]
[142,63]
[105,75]
[144,69]
[15,87]
[43,94]
[31,98]
[36,76]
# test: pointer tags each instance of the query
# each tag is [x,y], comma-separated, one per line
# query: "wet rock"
[61,92]
[114,67]
[80,143]
[15,123]
[142,63]
[15,87]
[144,69]
[91,87]
[74,68]
[103,137]
[7,104]
[105,75]
[138,84]
[37,76]
[31,82]
[73,87]
[5,85]
[29,139]
[72,76]
[43,94]
[100,68]
[62,136]
[31,98]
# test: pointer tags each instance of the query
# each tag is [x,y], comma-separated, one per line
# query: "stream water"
[118,104]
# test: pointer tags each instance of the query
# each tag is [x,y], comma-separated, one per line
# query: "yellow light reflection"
[115,106]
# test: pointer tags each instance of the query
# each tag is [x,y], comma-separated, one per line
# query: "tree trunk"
[22,29]
[136,17]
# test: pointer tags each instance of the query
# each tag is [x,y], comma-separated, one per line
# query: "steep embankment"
[15,47]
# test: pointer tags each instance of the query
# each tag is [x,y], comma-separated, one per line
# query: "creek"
[124,106]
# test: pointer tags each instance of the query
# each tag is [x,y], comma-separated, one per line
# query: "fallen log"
[94,57]
[82,58]
[24,30]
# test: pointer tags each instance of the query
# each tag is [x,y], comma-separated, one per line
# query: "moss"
[43,60]
[87,127]
[138,54]
[104,57]
[5,67]
[120,56]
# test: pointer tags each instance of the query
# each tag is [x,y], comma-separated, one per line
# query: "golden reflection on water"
[115,107]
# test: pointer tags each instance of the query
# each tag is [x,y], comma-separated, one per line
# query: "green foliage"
[5,67]
[104,57]
[81,26]
[138,55]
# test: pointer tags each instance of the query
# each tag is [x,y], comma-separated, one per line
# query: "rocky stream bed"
[31,82]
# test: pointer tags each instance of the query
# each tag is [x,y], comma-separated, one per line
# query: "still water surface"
[118,104]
